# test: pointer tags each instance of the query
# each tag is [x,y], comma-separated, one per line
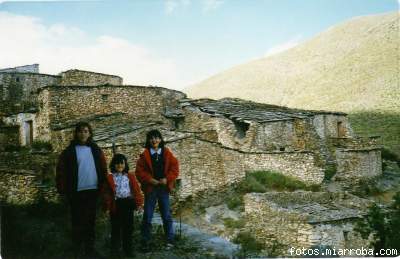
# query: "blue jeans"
[161,195]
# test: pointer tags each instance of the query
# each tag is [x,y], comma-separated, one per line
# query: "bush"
[383,224]
[231,223]
[42,145]
[389,155]
[15,148]
[249,245]
[235,202]
[330,171]
[262,181]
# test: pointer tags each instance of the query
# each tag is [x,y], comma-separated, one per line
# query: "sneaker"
[170,245]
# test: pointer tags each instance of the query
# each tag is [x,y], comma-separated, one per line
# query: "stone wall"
[24,187]
[24,86]
[332,125]
[20,120]
[28,68]
[354,165]
[27,175]
[18,187]
[206,165]
[71,103]
[279,223]
[87,78]
[281,135]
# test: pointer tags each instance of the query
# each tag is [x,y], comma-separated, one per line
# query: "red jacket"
[109,197]
[144,170]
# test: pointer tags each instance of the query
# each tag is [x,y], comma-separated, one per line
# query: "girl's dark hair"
[81,125]
[117,159]
[150,135]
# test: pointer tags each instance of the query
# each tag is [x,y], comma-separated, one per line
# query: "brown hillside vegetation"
[352,67]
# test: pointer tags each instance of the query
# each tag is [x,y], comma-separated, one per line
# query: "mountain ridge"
[359,58]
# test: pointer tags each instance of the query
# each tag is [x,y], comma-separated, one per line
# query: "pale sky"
[171,43]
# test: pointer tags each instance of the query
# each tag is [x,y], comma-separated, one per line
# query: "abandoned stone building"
[306,219]
[216,141]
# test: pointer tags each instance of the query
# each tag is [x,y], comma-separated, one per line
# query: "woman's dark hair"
[81,125]
[150,135]
[118,159]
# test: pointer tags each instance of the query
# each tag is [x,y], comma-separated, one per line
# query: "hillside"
[351,67]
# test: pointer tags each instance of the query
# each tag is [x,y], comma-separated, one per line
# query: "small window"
[17,79]
[104,97]
[341,130]
[346,235]
[282,149]
[241,128]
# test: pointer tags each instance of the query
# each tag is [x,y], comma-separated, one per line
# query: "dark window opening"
[241,128]
[346,235]
[17,79]
[178,123]
[104,97]
[282,149]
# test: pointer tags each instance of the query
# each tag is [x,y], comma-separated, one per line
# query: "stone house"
[305,220]
[216,141]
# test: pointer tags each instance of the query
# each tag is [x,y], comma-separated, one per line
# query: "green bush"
[262,181]
[389,155]
[330,171]
[15,148]
[383,224]
[42,145]
[231,223]
[249,245]
[235,202]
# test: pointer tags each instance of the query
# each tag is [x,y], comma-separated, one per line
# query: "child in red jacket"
[122,198]
[157,169]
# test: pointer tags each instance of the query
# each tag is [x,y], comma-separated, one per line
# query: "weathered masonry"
[306,219]
[216,141]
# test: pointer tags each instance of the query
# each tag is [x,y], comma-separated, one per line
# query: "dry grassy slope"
[353,66]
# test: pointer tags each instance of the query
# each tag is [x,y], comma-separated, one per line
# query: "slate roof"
[242,110]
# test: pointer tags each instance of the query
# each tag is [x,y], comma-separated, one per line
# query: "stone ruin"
[305,219]
[216,141]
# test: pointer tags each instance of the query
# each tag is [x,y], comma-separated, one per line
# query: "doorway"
[28,129]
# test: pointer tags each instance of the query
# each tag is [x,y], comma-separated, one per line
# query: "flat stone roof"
[242,110]
[316,207]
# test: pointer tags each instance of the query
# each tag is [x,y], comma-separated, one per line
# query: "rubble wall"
[17,188]
[80,77]
[284,227]
[19,120]
[355,165]
[24,86]
[73,102]
[326,126]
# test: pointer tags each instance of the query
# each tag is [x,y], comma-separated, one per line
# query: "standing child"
[157,169]
[123,197]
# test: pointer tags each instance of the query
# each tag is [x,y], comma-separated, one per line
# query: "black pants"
[83,219]
[122,225]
